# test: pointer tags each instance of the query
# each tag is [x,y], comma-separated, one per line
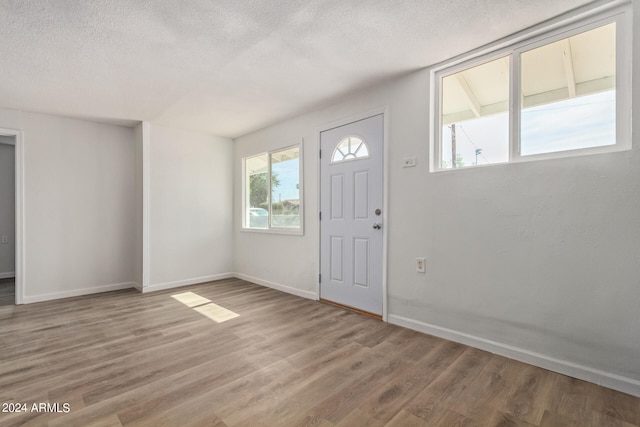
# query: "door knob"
[377,226]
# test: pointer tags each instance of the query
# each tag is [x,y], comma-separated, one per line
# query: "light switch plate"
[408,162]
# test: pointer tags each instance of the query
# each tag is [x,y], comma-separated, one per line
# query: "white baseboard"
[137,286]
[277,286]
[575,370]
[76,292]
[7,275]
[186,282]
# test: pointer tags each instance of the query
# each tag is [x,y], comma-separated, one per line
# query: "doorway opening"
[7,220]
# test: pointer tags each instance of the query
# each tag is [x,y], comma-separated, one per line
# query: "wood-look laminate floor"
[130,359]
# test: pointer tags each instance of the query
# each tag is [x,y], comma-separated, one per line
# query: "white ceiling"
[230,67]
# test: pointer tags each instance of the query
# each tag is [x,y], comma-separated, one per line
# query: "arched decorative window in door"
[350,148]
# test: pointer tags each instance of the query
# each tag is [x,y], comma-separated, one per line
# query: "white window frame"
[565,26]
[245,194]
[350,159]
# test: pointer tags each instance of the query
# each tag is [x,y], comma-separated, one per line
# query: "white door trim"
[146,206]
[19,217]
[384,110]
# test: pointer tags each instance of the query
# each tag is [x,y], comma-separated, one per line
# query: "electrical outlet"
[4,240]
[420,265]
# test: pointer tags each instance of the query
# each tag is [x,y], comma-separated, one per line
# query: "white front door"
[351,214]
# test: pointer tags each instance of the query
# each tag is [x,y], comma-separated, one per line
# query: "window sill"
[283,231]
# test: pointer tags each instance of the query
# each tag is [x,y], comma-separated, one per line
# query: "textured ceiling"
[231,66]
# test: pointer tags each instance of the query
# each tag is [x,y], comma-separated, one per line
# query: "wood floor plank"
[338,405]
[134,404]
[617,405]
[130,359]
[406,419]
[500,419]
[195,411]
[529,395]
[603,420]
[453,419]
[449,383]
[289,401]
[384,403]
[571,399]
[492,385]
[358,417]
[389,394]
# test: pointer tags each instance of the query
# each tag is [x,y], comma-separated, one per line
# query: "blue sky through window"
[289,175]
[581,122]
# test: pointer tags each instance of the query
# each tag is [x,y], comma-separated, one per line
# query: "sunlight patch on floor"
[190,299]
[205,307]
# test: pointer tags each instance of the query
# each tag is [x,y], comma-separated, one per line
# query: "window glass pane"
[285,188]
[475,120]
[350,148]
[568,93]
[257,204]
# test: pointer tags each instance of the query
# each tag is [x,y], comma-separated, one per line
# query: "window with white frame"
[560,93]
[273,191]
[350,148]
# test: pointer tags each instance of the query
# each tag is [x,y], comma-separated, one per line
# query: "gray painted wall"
[79,210]
[84,198]
[191,213]
[7,206]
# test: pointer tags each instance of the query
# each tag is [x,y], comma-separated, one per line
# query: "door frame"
[384,110]
[19,210]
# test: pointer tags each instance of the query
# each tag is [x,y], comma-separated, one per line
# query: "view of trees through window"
[272,183]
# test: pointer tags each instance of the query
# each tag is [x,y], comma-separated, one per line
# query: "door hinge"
[319,278]
[320,153]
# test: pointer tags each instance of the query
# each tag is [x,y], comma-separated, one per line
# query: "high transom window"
[565,92]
